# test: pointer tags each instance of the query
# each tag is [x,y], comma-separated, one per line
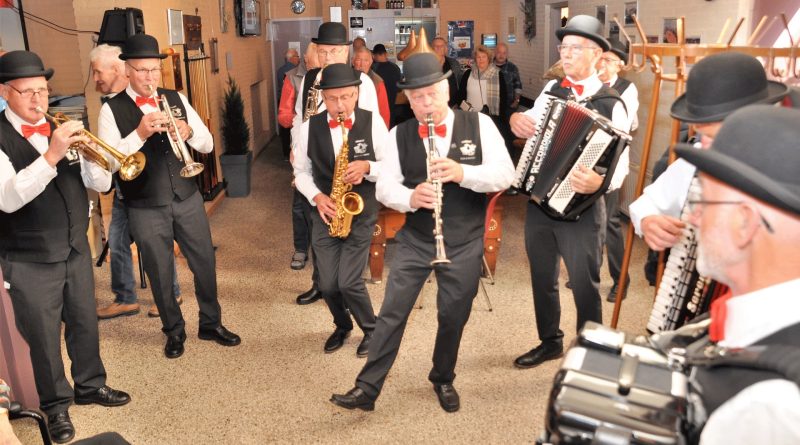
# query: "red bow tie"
[440,130]
[30,130]
[333,123]
[567,84]
[145,100]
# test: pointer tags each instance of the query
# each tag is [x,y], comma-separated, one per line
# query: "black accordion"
[569,134]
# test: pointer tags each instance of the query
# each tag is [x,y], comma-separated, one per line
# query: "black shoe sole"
[370,407]
[300,267]
[173,356]
[213,338]
[121,314]
[537,364]
[90,402]
[71,436]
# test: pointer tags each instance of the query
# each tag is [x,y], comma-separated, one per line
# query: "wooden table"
[390,221]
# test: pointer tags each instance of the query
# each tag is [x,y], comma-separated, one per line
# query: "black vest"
[46,229]
[603,101]
[621,85]
[161,178]
[320,151]
[463,210]
[308,82]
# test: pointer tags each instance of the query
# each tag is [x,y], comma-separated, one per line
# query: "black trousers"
[457,286]
[301,230]
[614,238]
[340,263]
[44,295]
[286,141]
[154,229]
[547,241]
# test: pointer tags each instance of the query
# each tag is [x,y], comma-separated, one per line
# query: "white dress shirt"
[619,119]
[631,98]
[201,140]
[20,188]
[767,412]
[495,173]
[303,175]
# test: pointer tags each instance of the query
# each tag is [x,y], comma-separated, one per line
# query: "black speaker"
[119,24]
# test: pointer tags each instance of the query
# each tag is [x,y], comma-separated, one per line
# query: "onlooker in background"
[292,59]
[513,93]
[358,43]
[483,88]
[362,61]
[439,45]
[3,103]
[391,74]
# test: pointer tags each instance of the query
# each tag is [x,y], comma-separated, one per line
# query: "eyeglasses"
[610,60]
[574,49]
[341,98]
[28,93]
[143,71]
[334,52]
[695,205]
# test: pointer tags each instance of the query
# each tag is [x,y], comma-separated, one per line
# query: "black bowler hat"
[619,48]
[331,33]
[21,64]
[421,70]
[584,26]
[755,151]
[141,46]
[339,75]
[720,84]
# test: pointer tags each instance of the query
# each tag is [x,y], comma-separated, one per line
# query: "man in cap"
[548,240]
[390,73]
[471,160]
[748,222]
[163,206]
[44,252]
[708,99]
[340,261]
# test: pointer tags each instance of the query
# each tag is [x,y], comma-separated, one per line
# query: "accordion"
[568,135]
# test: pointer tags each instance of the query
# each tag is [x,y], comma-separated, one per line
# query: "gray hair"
[106,54]
[289,54]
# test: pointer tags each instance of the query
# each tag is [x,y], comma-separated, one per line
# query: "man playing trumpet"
[44,252]
[163,205]
[471,161]
[320,175]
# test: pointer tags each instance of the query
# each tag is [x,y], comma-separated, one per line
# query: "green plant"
[235,130]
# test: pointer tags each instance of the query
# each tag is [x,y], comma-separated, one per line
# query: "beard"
[716,255]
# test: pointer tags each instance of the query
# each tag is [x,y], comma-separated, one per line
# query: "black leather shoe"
[174,347]
[448,397]
[220,335]
[60,427]
[363,347]
[105,396]
[355,398]
[539,355]
[336,340]
[309,297]
[612,294]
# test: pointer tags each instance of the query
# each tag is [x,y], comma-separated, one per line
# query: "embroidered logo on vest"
[467,150]
[360,147]
[177,112]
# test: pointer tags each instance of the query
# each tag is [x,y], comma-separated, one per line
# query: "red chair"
[487,273]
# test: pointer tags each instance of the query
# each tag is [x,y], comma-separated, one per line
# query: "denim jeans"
[123,283]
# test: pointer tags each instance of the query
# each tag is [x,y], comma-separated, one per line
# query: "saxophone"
[441,255]
[348,204]
[312,101]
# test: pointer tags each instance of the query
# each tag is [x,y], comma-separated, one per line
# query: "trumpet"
[129,166]
[177,143]
[441,255]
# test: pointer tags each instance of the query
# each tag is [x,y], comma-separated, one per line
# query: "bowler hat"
[20,64]
[331,33]
[755,151]
[584,26]
[619,48]
[720,84]
[339,75]
[141,46]
[421,70]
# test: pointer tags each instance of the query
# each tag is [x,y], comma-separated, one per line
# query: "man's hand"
[355,172]
[662,231]
[523,126]
[61,139]
[151,124]
[585,180]
[423,196]
[326,207]
[447,170]
[183,129]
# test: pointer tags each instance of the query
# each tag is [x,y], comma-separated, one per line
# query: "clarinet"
[441,256]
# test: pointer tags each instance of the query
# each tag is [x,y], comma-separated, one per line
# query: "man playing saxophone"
[341,155]
[471,160]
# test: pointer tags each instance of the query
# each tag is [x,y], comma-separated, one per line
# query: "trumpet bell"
[192,169]
[132,166]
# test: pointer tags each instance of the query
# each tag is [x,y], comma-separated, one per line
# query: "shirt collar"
[591,84]
[352,117]
[17,122]
[759,314]
[134,94]
[613,80]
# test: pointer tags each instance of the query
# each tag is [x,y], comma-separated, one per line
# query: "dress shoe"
[174,346]
[448,397]
[60,427]
[363,347]
[336,340]
[539,355]
[298,260]
[355,398]
[105,396]
[511,192]
[153,312]
[117,310]
[219,335]
[612,294]
[309,297]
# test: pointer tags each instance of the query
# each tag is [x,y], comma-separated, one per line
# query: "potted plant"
[237,156]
